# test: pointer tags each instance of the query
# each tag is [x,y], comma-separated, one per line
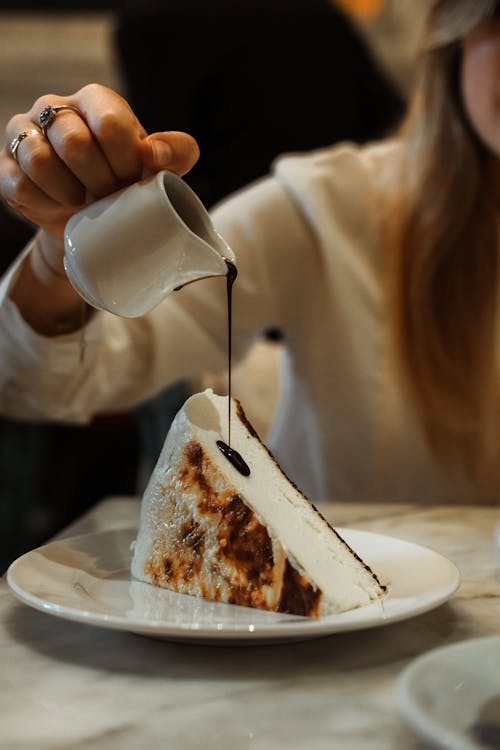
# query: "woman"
[379,264]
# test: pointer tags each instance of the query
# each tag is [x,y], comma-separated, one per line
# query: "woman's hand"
[84,156]
[94,146]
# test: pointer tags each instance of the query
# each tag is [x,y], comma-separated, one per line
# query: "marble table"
[69,685]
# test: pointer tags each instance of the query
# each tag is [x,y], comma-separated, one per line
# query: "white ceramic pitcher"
[127,252]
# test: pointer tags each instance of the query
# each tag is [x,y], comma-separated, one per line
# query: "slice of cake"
[235,529]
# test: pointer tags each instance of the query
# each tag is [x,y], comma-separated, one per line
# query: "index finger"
[114,126]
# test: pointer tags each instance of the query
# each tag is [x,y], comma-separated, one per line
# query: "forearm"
[43,294]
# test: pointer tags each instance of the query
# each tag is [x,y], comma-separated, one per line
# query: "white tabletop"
[67,685]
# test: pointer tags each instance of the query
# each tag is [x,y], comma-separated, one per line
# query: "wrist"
[46,260]
[43,294]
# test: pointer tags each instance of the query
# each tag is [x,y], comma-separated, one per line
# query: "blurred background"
[50,474]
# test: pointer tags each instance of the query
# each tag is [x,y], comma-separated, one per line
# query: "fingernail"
[162,153]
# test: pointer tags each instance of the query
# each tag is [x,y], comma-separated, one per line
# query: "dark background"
[66,7]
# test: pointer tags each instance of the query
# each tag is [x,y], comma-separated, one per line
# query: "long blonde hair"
[445,252]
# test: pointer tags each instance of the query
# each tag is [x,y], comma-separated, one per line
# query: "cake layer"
[206,529]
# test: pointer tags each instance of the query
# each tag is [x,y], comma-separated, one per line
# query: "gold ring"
[15,142]
[50,112]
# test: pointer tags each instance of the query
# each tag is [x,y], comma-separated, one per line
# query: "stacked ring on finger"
[50,112]
[15,142]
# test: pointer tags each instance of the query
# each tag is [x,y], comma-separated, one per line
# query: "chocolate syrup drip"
[232,455]
[234,458]
[232,273]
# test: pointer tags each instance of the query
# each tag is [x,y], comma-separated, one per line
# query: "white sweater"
[309,249]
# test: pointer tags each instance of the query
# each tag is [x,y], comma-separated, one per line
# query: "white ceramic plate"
[87,579]
[451,695]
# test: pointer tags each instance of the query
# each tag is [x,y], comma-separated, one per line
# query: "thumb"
[171,150]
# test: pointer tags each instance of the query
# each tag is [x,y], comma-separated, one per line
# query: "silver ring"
[50,112]
[15,142]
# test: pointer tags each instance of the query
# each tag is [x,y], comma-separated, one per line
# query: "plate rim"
[297,628]
[424,725]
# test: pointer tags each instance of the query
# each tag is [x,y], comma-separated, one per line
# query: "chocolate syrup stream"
[232,273]
[232,455]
